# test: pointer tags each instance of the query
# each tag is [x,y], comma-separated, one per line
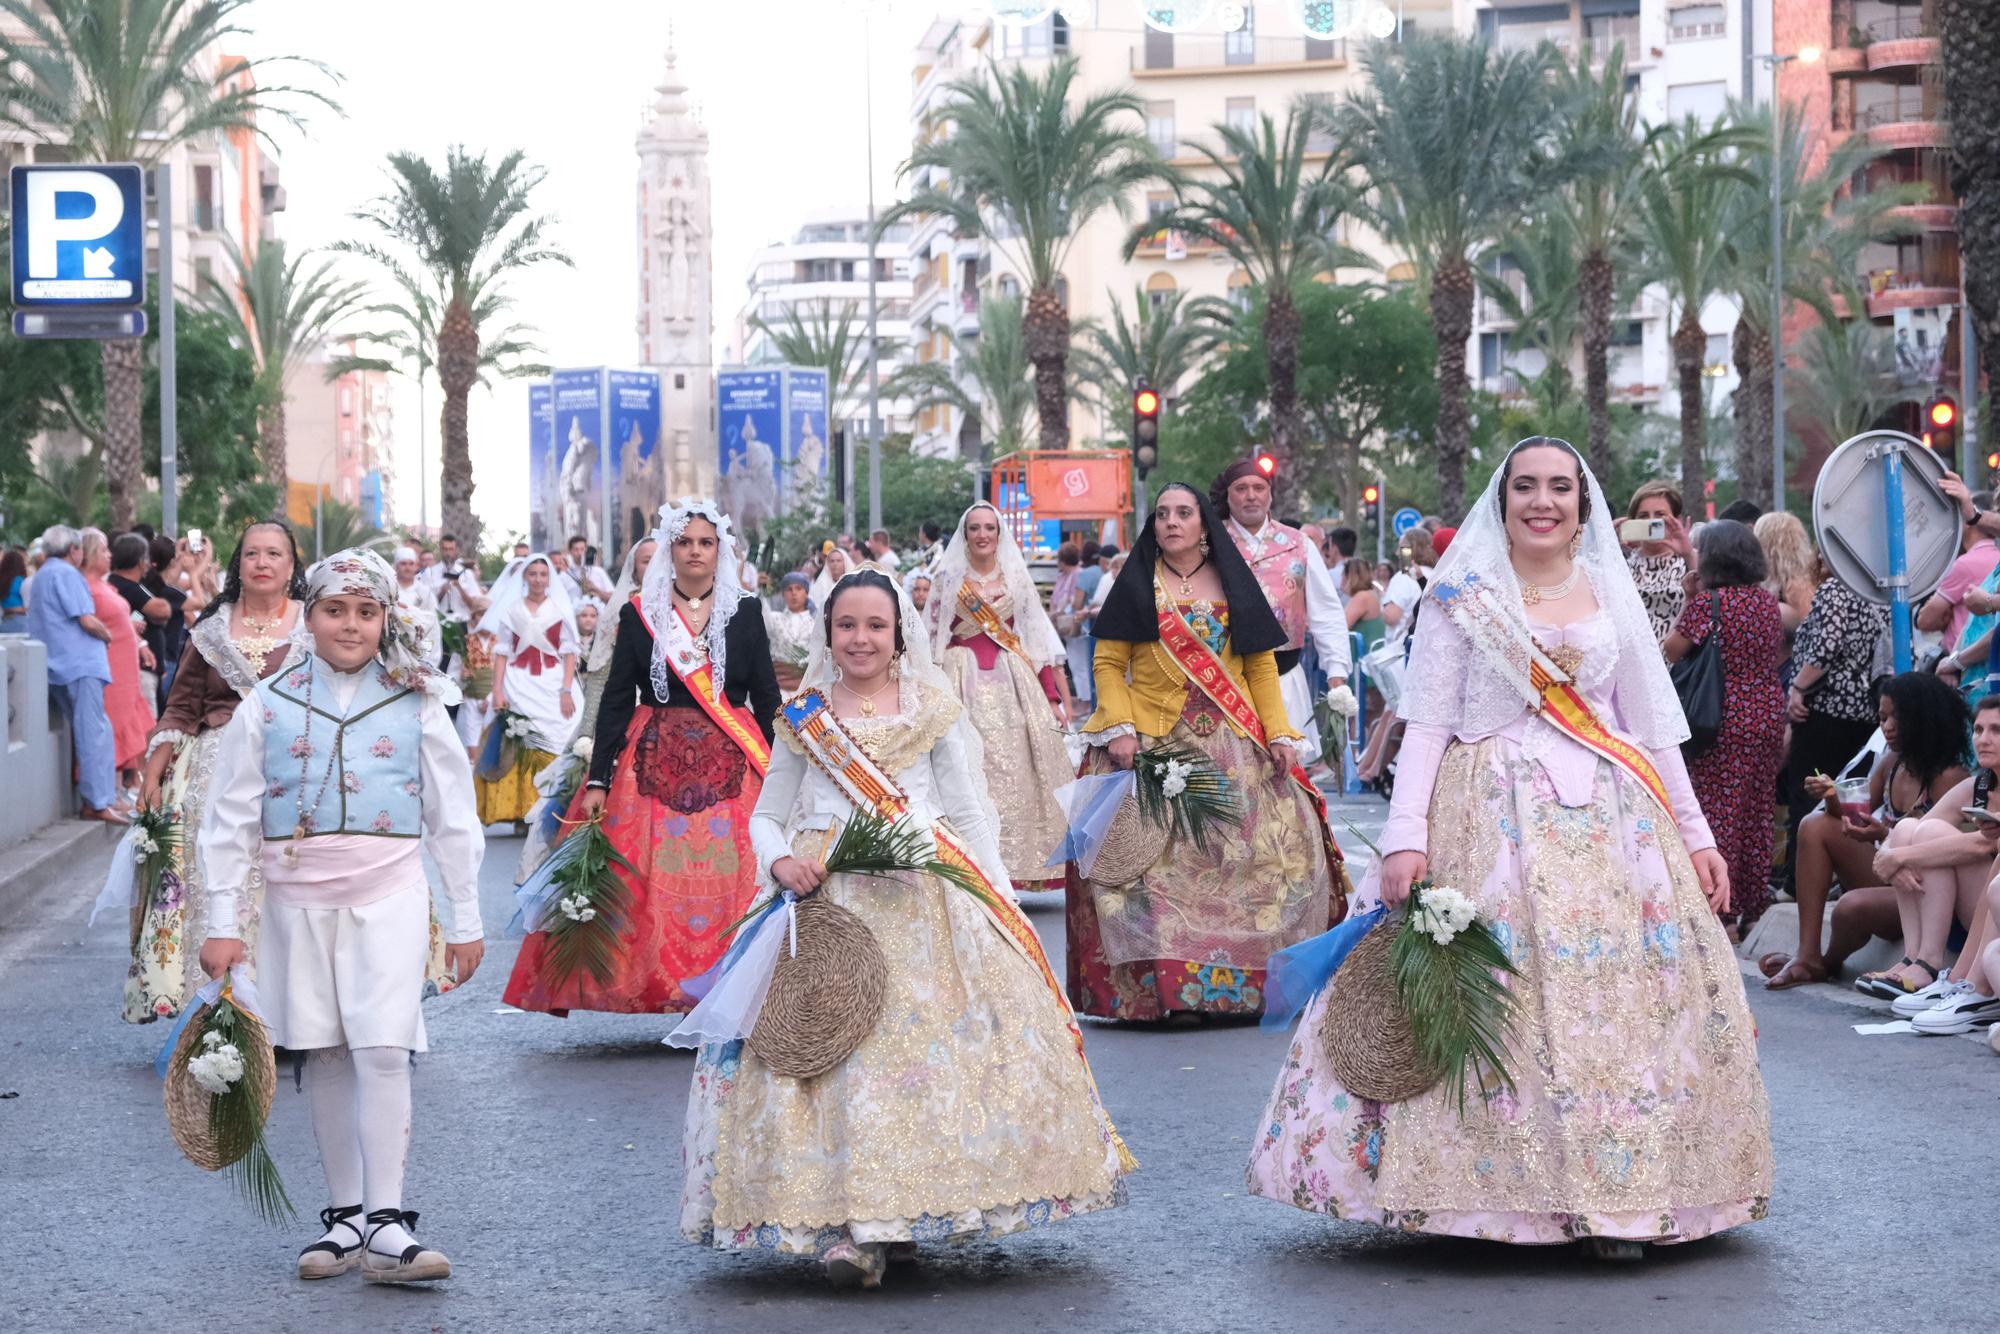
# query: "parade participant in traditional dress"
[969,1110]
[1293,575]
[993,641]
[454,584]
[1185,658]
[418,602]
[791,629]
[682,745]
[1541,776]
[331,781]
[534,678]
[833,563]
[240,638]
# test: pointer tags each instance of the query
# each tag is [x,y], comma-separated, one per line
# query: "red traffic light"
[1993,461]
[1267,465]
[1370,494]
[1943,412]
[1145,402]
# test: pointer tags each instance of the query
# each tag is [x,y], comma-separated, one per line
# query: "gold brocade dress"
[1009,702]
[967,1112]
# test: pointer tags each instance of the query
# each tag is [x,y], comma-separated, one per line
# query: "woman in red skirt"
[679,756]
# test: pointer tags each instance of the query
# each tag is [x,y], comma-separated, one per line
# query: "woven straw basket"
[825,999]
[1131,845]
[187,1102]
[1364,1029]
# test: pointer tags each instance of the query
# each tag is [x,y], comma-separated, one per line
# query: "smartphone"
[1980,814]
[1642,530]
[194,541]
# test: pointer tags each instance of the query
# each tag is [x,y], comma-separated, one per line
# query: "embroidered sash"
[988,620]
[1550,691]
[1199,664]
[840,757]
[695,671]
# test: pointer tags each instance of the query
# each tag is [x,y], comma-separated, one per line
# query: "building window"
[204,199]
[1240,113]
[1628,333]
[1033,39]
[1689,22]
[1716,354]
[1492,357]
[1240,47]
[1160,127]
[1159,290]
[1608,22]
[1704,101]
[1240,290]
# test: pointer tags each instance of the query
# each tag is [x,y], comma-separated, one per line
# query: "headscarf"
[508,610]
[1129,610]
[1218,494]
[1031,621]
[822,584]
[1452,682]
[403,554]
[656,599]
[359,572]
[599,655]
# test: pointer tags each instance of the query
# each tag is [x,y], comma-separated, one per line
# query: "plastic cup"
[1853,793]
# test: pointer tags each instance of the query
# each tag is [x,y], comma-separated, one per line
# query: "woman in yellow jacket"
[1184,660]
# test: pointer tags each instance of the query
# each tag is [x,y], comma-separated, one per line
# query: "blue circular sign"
[1405,519]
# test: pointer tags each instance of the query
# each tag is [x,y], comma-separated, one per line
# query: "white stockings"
[361,1118]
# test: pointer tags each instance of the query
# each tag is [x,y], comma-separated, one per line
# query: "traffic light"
[1267,465]
[1145,428]
[1371,506]
[1993,462]
[1941,424]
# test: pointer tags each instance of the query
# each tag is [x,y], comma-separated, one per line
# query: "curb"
[63,859]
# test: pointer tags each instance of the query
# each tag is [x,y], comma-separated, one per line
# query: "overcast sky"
[779,84]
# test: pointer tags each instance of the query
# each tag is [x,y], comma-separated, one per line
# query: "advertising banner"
[579,450]
[806,449]
[636,479]
[544,490]
[750,430]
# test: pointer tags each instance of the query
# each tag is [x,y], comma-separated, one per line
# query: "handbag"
[1698,680]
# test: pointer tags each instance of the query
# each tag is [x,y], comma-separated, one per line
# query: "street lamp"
[1807,55]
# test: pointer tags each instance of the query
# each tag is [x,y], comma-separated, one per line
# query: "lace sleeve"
[1442,662]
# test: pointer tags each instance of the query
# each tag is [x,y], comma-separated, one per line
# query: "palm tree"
[1162,343]
[129,81]
[1029,171]
[1547,310]
[1682,198]
[467,230]
[835,342]
[1601,121]
[1825,227]
[1273,209]
[1845,379]
[1971,52]
[1456,141]
[282,312]
[338,525]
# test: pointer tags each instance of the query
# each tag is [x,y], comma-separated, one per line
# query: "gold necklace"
[257,645]
[867,701]
[1187,580]
[1535,594]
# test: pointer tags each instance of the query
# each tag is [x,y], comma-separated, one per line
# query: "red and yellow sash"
[827,744]
[698,675]
[1199,664]
[988,620]
[1550,691]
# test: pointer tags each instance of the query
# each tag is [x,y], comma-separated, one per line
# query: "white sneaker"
[1993,1039]
[1924,998]
[1960,1014]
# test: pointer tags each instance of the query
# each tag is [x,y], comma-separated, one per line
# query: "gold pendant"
[867,708]
[1531,596]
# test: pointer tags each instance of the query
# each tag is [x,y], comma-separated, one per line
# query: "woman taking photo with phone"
[1657,553]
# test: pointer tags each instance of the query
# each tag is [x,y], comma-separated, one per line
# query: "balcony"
[1891,53]
[1916,295]
[1846,60]
[1888,134]
[1154,246]
[1170,55]
[1931,217]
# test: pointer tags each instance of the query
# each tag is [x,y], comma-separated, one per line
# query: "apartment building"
[340,438]
[1189,83]
[819,272]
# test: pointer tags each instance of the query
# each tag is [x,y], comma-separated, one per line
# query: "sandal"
[1882,983]
[1794,972]
[1908,987]
[330,1259]
[415,1264]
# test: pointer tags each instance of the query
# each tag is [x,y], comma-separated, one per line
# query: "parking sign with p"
[79,234]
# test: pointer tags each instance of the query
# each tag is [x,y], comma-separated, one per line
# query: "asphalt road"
[546,1164]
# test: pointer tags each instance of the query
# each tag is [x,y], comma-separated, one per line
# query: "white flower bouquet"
[1341,700]
[219,1121]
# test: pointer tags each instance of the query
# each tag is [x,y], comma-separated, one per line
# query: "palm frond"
[1461,1010]
[586,877]
[1207,803]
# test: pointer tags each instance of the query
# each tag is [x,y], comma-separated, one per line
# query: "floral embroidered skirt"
[512,795]
[679,810]
[968,1112]
[1637,1109]
[1193,933]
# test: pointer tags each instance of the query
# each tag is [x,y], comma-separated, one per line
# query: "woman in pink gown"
[124,700]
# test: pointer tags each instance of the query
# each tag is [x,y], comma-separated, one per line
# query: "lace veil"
[1031,620]
[656,599]
[1453,684]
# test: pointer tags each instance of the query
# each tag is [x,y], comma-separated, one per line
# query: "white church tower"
[676,310]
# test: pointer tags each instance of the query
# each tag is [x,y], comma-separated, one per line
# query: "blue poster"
[806,435]
[750,426]
[579,450]
[637,478]
[544,507]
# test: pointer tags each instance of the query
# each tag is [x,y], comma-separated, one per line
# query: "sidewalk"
[63,861]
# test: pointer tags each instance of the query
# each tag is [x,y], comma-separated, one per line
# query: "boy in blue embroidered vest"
[329,777]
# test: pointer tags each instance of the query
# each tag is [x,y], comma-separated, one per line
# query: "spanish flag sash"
[980,613]
[1198,663]
[693,668]
[829,746]
[1473,606]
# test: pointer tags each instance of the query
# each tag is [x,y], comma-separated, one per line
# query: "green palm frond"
[1460,1009]
[281,309]
[236,1118]
[1845,378]
[830,339]
[994,382]
[871,845]
[1207,803]
[586,868]
[1162,342]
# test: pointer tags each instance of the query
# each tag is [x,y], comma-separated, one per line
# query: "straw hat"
[1366,1031]
[826,998]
